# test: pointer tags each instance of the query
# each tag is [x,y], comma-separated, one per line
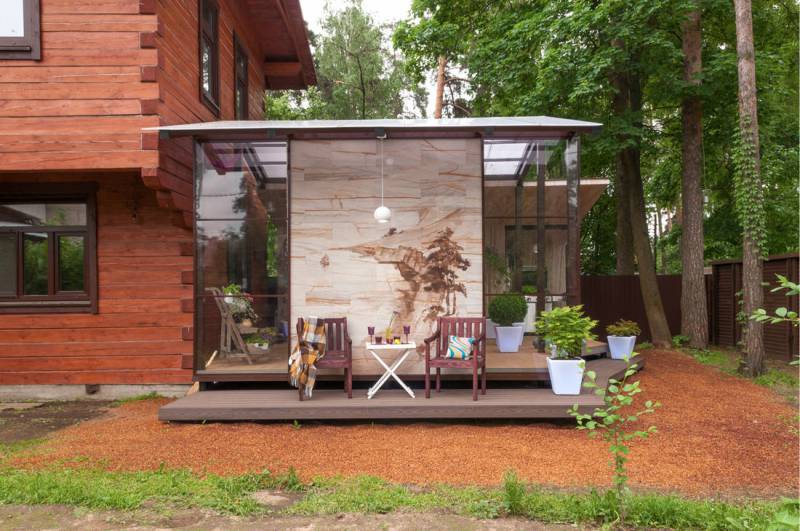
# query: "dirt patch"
[61,517]
[717,435]
[23,422]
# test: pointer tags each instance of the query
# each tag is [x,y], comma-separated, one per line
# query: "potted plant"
[240,303]
[622,338]
[507,311]
[564,331]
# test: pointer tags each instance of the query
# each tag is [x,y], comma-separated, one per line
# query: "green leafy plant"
[497,263]
[680,340]
[782,314]
[240,303]
[616,425]
[624,328]
[513,494]
[566,328]
[529,290]
[643,346]
[507,309]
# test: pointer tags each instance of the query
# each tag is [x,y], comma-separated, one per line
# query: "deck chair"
[231,342]
[436,349]
[338,349]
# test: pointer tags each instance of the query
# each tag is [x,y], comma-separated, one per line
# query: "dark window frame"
[241,79]
[56,301]
[208,33]
[29,46]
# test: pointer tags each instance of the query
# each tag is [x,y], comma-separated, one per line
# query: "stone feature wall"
[424,263]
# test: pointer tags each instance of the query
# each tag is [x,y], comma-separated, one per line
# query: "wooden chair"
[231,342]
[338,349]
[461,327]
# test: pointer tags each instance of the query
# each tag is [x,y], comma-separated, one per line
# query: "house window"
[47,249]
[240,80]
[19,30]
[209,54]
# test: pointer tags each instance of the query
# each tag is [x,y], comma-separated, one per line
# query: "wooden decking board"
[259,404]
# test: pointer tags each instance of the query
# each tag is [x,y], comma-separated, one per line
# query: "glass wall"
[526,219]
[241,206]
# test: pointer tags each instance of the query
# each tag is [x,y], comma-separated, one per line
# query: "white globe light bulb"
[382,214]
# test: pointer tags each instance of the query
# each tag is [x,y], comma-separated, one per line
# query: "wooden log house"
[97,214]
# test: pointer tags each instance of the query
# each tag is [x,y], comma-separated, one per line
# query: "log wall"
[137,337]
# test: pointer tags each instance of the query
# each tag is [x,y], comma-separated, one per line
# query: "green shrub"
[513,494]
[623,328]
[529,290]
[507,309]
[680,340]
[566,328]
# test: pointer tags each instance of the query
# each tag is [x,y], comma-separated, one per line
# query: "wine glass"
[406,331]
[371,332]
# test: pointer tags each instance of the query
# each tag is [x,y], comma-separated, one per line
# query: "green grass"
[96,489]
[8,449]
[152,395]
[777,378]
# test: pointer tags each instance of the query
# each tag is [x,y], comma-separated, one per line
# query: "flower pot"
[566,376]
[521,336]
[621,347]
[508,338]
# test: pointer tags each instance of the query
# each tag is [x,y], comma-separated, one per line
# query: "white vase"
[621,347]
[566,376]
[521,334]
[508,338]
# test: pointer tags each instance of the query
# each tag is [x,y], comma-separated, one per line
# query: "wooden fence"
[609,298]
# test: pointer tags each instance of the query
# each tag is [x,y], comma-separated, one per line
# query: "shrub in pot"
[507,311]
[622,338]
[565,330]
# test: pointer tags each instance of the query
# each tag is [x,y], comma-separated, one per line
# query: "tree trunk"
[439,101]
[753,293]
[633,186]
[623,235]
[694,315]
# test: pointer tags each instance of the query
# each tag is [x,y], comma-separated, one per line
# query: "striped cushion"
[459,348]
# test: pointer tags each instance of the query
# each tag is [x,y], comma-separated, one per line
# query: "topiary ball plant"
[508,309]
[566,328]
[623,328]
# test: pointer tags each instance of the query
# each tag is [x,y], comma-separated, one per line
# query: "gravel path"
[718,435]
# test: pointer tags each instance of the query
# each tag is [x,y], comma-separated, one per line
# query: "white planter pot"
[508,338]
[566,376]
[521,335]
[621,347]
[530,317]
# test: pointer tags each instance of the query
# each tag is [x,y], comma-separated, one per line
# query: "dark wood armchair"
[436,349]
[338,349]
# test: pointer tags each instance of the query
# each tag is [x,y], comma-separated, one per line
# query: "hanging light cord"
[381,139]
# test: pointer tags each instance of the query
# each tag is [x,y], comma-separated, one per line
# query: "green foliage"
[507,309]
[566,328]
[513,494]
[529,290]
[152,395]
[359,76]
[782,314]
[616,425]
[680,340]
[643,346]
[748,187]
[773,378]
[624,328]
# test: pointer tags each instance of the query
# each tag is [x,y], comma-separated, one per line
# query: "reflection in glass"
[42,214]
[8,264]
[34,247]
[71,263]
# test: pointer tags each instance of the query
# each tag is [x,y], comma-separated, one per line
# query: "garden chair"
[231,342]
[338,349]
[436,350]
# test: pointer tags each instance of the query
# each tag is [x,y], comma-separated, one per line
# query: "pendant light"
[382,213]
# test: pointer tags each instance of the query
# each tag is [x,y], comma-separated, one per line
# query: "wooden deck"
[282,404]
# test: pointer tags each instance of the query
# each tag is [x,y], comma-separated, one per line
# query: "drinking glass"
[406,331]
[371,332]
[378,340]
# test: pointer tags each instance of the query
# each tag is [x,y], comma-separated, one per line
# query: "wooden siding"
[136,336]
[80,107]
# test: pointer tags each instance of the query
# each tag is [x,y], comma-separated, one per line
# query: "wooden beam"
[573,161]
[282,68]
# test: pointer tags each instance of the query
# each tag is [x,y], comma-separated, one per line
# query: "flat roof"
[487,125]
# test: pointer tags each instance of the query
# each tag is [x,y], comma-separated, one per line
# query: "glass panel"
[35,266]
[42,214]
[12,20]
[206,66]
[241,334]
[8,265]
[71,263]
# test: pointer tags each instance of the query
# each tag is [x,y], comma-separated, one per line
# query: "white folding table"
[404,349]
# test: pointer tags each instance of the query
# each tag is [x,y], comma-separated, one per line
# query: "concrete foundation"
[16,393]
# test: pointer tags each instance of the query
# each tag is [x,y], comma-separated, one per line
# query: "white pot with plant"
[622,338]
[564,330]
[508,312]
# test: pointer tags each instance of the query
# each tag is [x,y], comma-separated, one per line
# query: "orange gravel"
[718,435]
